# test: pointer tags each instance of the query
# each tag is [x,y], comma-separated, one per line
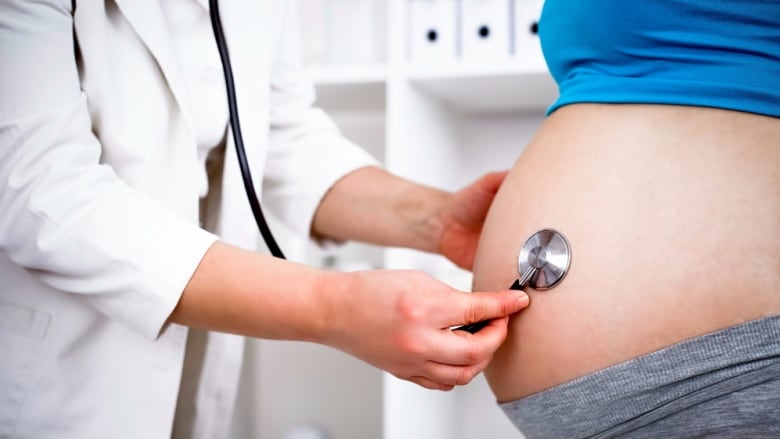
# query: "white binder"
[527,48]
[485,29]
[432,35]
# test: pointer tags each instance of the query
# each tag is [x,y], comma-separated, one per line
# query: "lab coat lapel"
[146,18]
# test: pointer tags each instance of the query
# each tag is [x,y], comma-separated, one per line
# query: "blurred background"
[441,92]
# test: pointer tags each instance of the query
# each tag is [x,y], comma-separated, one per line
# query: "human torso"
[664,174]
[673,215]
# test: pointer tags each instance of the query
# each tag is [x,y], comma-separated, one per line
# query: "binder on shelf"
[485,29]
[432,30]
[527,47]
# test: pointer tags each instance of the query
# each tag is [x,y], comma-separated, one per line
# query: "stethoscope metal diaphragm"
[549,254]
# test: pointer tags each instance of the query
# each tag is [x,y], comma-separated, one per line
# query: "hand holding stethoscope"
[542,263]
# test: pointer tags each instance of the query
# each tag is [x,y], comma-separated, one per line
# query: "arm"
[374,206]
[396,320]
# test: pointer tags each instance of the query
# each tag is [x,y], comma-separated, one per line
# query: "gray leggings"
[725,384]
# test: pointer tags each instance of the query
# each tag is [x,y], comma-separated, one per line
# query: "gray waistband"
[654,385]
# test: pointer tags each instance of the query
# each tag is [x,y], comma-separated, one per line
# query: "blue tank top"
[712,53]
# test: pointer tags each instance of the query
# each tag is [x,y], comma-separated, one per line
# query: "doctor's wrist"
[427,221]
[330,297]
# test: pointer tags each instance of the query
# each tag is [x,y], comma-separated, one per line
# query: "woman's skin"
[396,320]
[673,216]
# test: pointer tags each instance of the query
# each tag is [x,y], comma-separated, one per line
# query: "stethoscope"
[543,261]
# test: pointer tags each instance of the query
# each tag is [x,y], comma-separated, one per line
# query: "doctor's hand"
[462,218]
[399,321]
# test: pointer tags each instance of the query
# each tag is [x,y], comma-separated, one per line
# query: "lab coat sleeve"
[307,154]
[64,217]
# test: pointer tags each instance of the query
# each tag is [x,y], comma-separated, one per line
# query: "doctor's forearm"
[396,320]
[371,205]
[241,292]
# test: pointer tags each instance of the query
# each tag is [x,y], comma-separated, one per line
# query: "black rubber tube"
[238,139]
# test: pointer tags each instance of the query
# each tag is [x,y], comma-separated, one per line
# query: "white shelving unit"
[444,125]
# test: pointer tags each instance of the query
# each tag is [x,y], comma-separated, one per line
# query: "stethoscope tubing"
[238,139]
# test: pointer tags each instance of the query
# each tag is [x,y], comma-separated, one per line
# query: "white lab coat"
[99,207]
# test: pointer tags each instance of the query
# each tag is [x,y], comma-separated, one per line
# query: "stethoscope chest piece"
[548,255]
[543,262]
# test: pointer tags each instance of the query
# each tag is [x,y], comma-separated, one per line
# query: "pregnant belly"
[673,216]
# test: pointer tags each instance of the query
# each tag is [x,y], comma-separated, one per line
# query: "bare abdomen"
[673,216]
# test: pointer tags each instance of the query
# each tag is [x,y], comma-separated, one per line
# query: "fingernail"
[521,297]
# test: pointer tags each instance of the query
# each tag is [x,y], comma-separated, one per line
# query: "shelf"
[467,87]
[471,88]
[348,74]
[350,88]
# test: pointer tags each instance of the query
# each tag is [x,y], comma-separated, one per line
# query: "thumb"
[480,306]
[493,181]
